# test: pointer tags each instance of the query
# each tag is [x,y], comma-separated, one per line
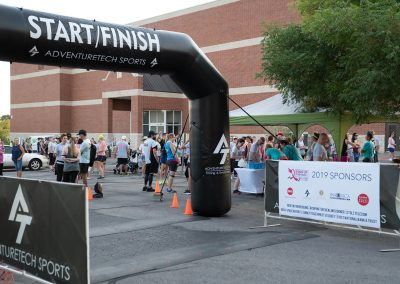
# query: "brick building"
[48,100]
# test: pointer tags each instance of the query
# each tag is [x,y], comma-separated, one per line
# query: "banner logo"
[223,148]
[290,191]
[298,175]
[33,51]
[363,199]
[153,63]
[20,206]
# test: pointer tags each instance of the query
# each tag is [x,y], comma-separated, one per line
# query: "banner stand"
[24,273]
[393,250]
[265,222]
[395,233]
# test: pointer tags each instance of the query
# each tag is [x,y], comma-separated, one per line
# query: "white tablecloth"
[251,181]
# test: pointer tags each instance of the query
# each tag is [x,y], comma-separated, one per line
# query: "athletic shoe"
[100,177]
[149,189]
[169,190]
[187,191]
[144,188]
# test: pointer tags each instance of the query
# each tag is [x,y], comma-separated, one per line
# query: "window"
[167,121]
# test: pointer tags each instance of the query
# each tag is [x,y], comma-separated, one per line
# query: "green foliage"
[344,57]
[5,129]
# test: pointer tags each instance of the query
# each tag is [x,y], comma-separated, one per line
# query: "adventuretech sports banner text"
[346,193]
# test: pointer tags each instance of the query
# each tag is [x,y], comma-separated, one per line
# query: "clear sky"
[116,11]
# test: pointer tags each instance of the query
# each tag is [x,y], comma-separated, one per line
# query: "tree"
[5,129]
[345,56]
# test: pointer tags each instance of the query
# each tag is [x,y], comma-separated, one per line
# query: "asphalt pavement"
[135,238]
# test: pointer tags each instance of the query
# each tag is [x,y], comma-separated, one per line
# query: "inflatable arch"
[40,38]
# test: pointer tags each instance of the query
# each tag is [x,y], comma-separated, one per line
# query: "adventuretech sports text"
[341,176]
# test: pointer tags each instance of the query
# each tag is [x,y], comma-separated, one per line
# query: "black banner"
[41,38]
[44,229]
[389,189]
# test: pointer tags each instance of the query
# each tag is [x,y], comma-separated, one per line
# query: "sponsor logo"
[222,148]
[339,196]
[33,51]
[20,206]
[321,193]
[307,193]
[290,191]
[363,199]
[153,63]
[298,174]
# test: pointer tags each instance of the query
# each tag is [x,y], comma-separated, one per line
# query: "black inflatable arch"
[40,38]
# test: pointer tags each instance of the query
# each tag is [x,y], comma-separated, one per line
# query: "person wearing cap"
[84,159]
[151,158]
[123,154]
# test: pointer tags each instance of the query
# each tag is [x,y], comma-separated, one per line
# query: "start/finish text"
[90,34]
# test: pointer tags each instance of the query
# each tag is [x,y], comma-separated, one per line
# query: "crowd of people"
[251,152]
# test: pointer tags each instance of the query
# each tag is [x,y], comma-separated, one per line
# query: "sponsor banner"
[44,229]
[346,193]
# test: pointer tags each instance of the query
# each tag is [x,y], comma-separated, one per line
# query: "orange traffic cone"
[188,210]
[90,194]
[157,187]
[175,201]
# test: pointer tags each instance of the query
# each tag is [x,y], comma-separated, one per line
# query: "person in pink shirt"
[1,157]
[101,156]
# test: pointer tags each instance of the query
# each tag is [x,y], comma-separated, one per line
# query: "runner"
[59,169]
[172,160]
[163,160]
[72,157]
[101,156]
[84,160]
[122,155]
[150,152]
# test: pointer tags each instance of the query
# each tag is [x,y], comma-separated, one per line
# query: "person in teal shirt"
[272,153]
[368,148]
[290,151]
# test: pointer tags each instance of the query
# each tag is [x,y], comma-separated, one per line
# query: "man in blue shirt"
[85,156]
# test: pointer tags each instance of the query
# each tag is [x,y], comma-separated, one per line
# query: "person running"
[122,155]
[59,166]
[84,160]
[1,157]
[72,157]
[368,148]
[101,156]
[319,152]
[172,160]
[51,150]
[391,146]
[17,153]
[150,152]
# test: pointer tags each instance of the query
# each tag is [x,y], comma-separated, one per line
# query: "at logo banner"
[44,229]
